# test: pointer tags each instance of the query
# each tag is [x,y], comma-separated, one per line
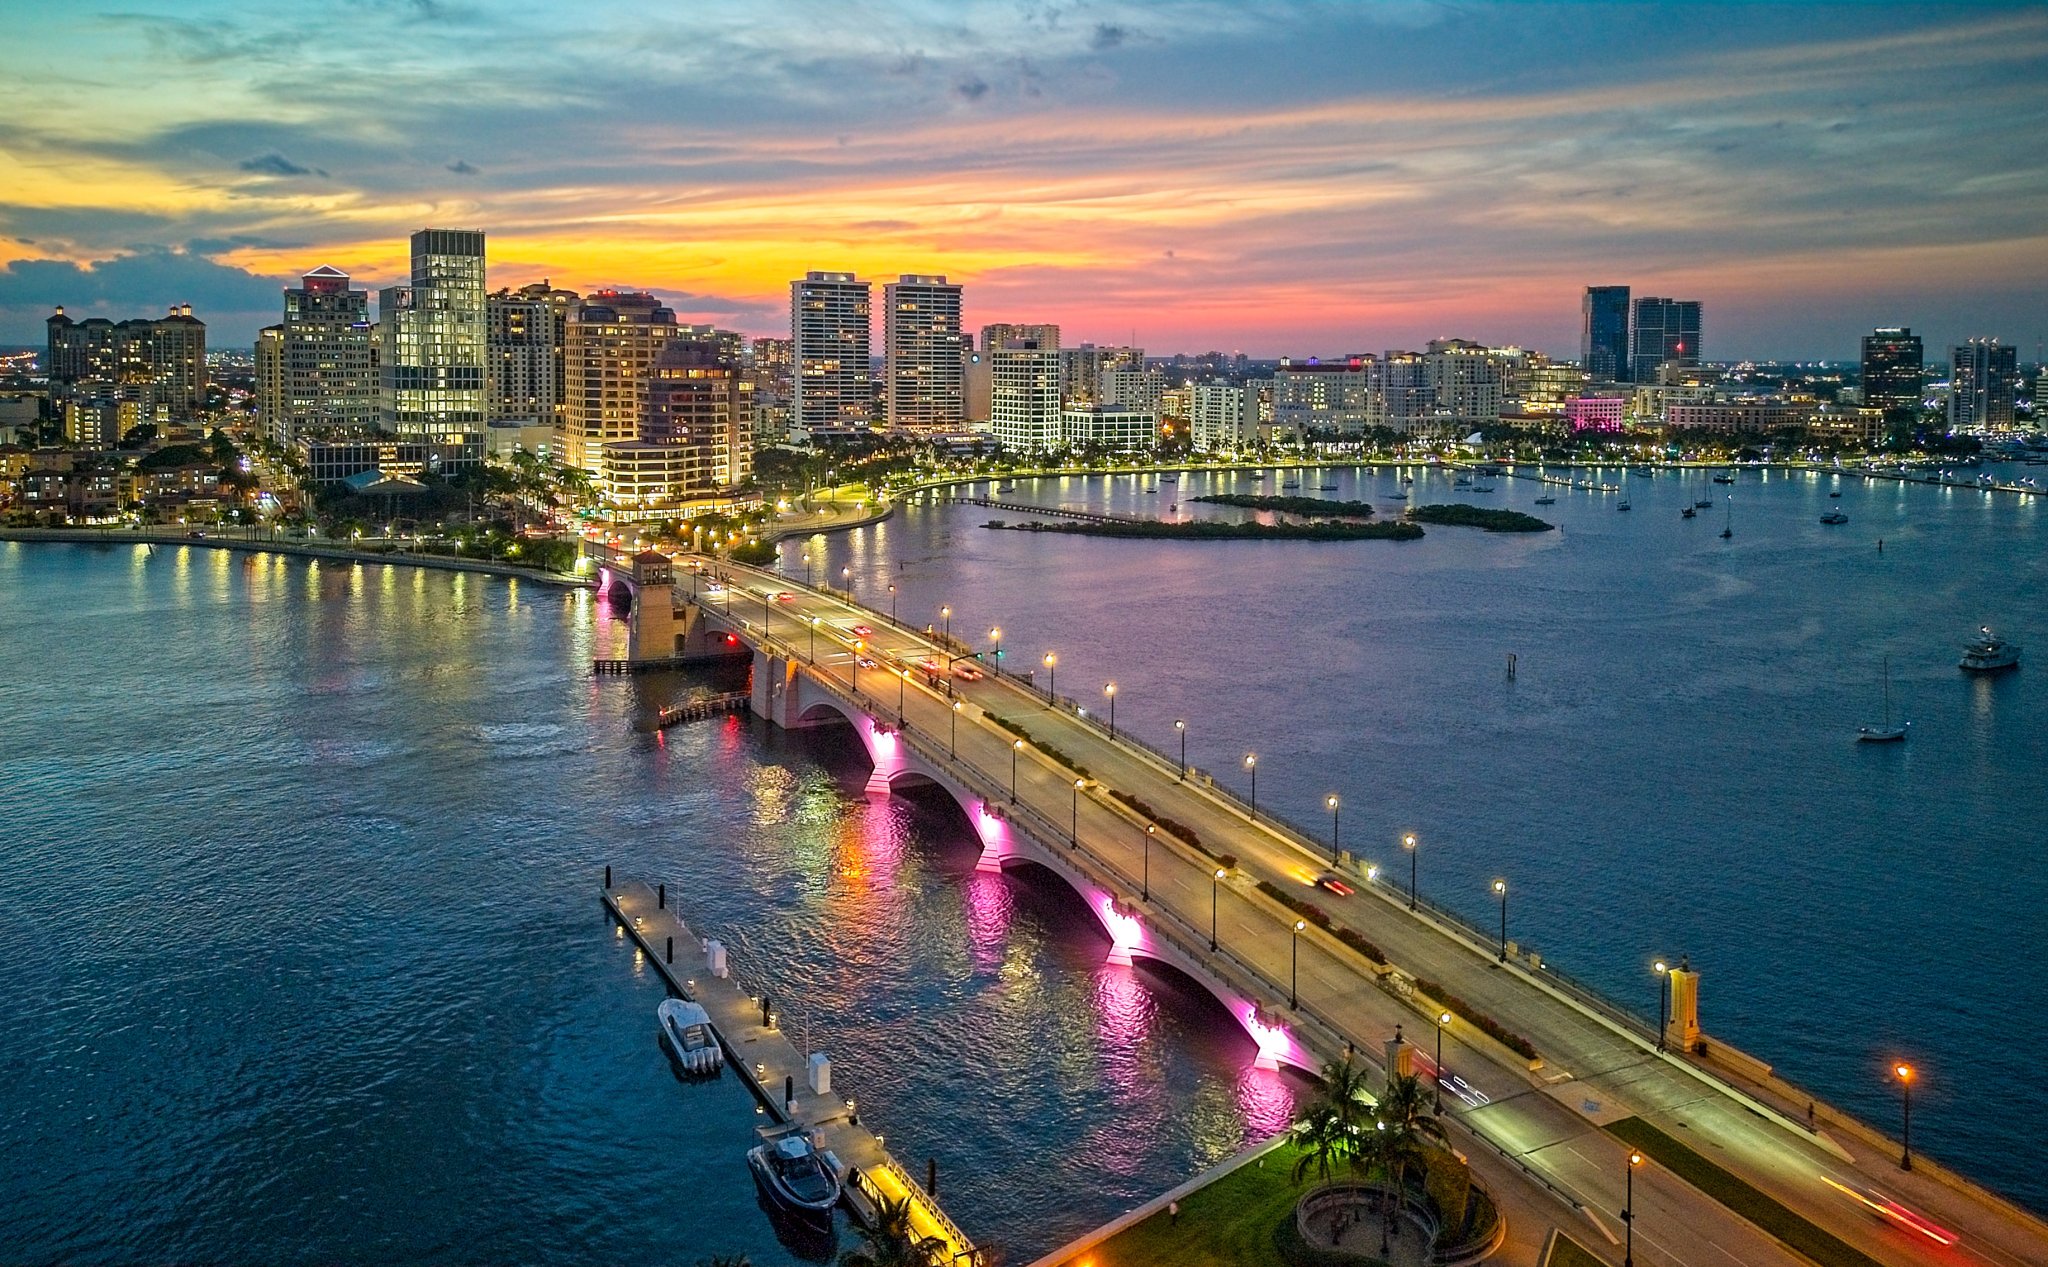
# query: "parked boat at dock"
[687,1029]
[794,1175]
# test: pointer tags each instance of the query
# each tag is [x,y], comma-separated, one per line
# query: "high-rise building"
[1223,417]
[1085,371]
[432,344]
[1984,378]
[1603,333]
[527,337]
[1893,377]
[1315,395]
[829,331]
[1397,393]
[317,370]
[1666,331]
[154,369]
[1464,384]
[924,355]
[1024,387]
[612,341]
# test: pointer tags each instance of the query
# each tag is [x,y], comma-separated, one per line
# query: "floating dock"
[772,1067]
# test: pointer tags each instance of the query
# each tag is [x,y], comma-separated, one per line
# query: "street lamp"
[892,604]
[946,614]
[1016,746]
[1443,1022]
[995,637]
[1052,675]
[1215,882]
[1074,815]
[814,640]
[1110,690]
[1330,802]
[1251,763]
[1294,966]
[858,647]
[1628,1213]
[1408,843]
[902,680]
[846,575]
[1182,726]
[1501,887]
[1904,1073]
[1663,971]
[954,744]
[1145,887]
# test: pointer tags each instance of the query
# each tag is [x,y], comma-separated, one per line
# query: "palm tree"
[1400,1141]
[1331,1124]
[892,1242]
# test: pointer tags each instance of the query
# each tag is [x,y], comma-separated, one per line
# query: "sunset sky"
[1315,177]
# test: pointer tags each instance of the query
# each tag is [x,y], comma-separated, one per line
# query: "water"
[1672,770]
[305,960]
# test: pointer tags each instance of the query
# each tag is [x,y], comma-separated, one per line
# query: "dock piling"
[767,1009]
[671,957]
[931,1177]
[607,877]
[789,1093]
[661,897]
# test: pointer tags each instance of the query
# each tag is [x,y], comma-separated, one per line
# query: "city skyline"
[1173,173]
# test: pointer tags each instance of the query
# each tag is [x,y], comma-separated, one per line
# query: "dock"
[1055,512]
[775,1071]
[701,709]
[663,664]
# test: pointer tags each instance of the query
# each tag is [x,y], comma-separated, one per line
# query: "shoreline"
[296,549]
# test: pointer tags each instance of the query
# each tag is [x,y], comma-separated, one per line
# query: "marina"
[793,1087]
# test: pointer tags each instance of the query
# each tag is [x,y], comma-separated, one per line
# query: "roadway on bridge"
[1550,1126]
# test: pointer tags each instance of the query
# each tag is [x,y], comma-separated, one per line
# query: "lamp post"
[814,640]
[1663,971]
[1501,887]
[1181,725]
[1443,1022]
[1215,883]
[1052,676]
[1904,1073]
[995,637]
[1408,843]
[1294,966]
[1074,815]
[1628,1213]
[1145,886]
[902,680]
[1016,746]
[946,615]
[1251,763]
[892,604]
[1110,690]
[953,744]
[1330,801]
[858,647]
[846,575]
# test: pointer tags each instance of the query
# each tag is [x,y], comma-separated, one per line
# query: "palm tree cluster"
[892,1242]
[1342,1128]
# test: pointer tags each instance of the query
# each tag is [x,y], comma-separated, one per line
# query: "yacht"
[1724,479]
[794,1175]
[1834,517]
[1989,653]
[1546,500]
[687,1028]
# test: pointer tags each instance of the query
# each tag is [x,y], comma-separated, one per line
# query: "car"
[1331,882]
[967,672]
[784,596]
[930,664]
[865,663]
[863,631]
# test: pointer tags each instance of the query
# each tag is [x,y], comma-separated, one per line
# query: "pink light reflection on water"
[1126,931]
[1265,1100]
[990,906]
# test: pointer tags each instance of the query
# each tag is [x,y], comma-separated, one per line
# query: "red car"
[1331,882]
[864,631]
[785,596]
[967,672]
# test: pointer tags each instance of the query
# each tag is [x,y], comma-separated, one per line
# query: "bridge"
[1177,870]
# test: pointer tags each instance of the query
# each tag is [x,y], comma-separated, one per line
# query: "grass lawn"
[1817,1243]
[1566,1252]
[1230,1223]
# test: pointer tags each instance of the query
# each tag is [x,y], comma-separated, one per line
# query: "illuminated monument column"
[1683,1031]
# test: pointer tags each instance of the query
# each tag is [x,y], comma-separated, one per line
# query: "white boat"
[1989,653]
[795,1176]
[1886,733]
[1834,517]
[687,1029]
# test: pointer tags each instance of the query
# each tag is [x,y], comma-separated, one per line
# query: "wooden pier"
[1055,512]
[700,709]
[663,664]
[775,1071]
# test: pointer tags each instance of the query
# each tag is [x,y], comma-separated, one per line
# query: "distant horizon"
[1174,173]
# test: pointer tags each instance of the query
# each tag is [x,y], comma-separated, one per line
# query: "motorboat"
[1290,483]
[1463,481]
[1482,488]
[1724,479]
[1834,517]
[1622,504]
[794,1175]
[1836,493]
[1546,500]
[1329,488]
[1887,733]
[1989,653]
[1399,497]
[686,1027]
[1006,488]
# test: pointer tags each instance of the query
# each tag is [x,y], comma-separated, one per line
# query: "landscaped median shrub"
[1307,910]
[1356,940]
[1055,754]
[1499,1033]
[1138,805]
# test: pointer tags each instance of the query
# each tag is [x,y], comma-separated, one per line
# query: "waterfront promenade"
[1544,1140]
[225,539]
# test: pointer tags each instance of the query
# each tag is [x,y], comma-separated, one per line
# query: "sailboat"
[1887,733]
[1706,501]
[1729,531]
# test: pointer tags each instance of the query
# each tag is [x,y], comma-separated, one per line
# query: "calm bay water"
[305,959]
[1673,768]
